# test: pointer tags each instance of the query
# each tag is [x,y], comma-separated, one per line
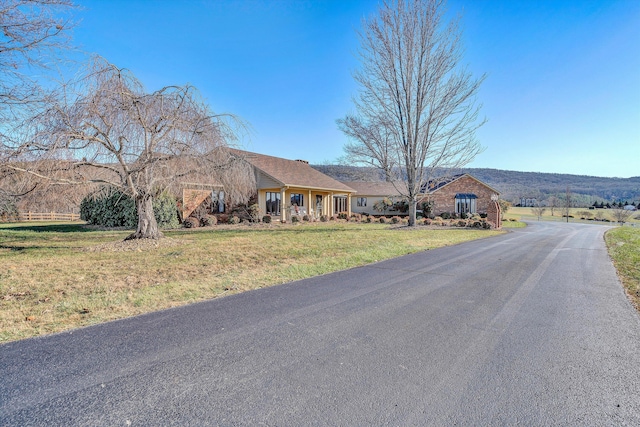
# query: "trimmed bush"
[266,219]
[234,220]
[191,222]
[223,218]
[445,215]
[342,215]
[306,218]
[382,220]
[249,212]
[395,220]
[462,223]
[208,221]
[323,218]
[110,207]
[295,219]
[427,221]
[165,210]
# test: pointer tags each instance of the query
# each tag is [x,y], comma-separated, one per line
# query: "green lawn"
[624,248]
[61,276]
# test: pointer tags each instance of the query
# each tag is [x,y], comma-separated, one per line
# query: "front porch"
[286,202]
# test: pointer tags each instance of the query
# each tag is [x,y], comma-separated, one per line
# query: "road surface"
[528,328]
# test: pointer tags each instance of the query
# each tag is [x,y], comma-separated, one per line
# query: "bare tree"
[33,33]
[538,211]
[107,129]
[553,204]
[504,207]
[621,215]
[416,109]
[567,204]
[370,138]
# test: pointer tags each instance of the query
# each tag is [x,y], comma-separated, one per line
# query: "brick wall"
[494,215]
[444,198]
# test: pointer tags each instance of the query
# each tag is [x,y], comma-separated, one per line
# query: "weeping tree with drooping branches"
[105,128]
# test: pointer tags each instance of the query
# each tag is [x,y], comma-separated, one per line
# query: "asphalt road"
[529,328]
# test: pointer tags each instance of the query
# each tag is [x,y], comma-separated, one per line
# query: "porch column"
[348,205]
[331,213]
[283,210]
[309,205]
[262,203]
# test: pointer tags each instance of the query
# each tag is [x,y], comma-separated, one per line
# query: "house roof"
[380,188]
[293,173]
[437,184]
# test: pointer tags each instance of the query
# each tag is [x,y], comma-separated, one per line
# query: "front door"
[318,205]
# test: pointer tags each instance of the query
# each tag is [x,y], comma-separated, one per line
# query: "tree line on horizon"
[514,185]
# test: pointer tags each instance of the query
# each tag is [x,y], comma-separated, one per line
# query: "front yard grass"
[624,248]
[53,278]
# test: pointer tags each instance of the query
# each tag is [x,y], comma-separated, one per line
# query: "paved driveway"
[529,328]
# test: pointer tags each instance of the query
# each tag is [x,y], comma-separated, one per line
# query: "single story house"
[292,187]
[460,193]
[368,194]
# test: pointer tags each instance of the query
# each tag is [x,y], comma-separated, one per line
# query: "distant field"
[60,276]
[527,214]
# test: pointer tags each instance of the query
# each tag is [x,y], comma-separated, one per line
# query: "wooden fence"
[48,216]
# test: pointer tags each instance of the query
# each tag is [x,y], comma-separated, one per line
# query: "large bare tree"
[32,35]
[416,112]
[105,128]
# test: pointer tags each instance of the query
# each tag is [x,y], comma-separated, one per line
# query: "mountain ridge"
[513,185]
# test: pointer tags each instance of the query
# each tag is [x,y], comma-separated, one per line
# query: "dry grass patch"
[60,276]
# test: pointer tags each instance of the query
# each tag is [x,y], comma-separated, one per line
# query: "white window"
[339,204]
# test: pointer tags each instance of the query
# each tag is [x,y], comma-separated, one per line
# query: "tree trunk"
[413,206]
[147,224]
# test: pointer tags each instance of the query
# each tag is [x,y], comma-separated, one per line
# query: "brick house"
[463,193]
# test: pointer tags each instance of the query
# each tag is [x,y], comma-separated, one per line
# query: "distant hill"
[513,185]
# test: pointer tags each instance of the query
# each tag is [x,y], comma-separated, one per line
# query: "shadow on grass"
[247,230]
[48,228]
[13,248]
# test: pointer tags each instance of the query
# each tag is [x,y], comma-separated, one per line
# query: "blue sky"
[562,93]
